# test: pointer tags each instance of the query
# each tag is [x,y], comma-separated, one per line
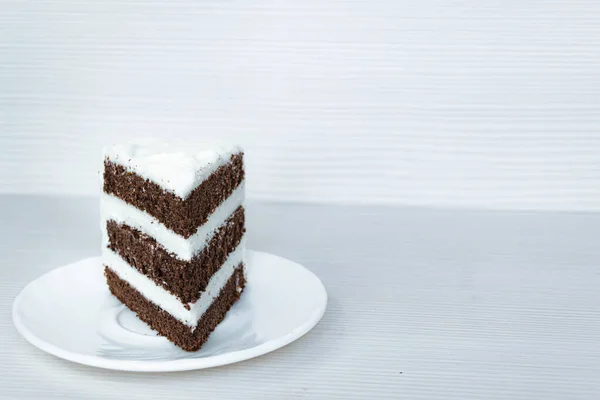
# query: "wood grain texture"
[445,103]
[423,304]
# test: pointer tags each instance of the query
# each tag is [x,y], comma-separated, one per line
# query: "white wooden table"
[424,304]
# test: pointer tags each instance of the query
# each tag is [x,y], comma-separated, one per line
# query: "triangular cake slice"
[173,230]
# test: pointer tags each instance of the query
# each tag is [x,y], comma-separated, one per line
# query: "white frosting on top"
[178,167]
[167,301]
[113,208]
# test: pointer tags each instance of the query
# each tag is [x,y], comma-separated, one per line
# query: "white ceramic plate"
[70,313]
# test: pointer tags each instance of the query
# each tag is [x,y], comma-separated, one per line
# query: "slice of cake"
[173,235]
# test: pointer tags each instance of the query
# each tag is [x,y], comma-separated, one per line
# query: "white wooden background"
[447,103]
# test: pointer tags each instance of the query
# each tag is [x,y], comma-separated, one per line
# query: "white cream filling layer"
[113,208]
[165,300]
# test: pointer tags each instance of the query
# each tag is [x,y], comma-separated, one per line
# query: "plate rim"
[172,365]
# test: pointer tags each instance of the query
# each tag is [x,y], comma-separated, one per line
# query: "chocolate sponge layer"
[183,216]
[167,325]
[184,279]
